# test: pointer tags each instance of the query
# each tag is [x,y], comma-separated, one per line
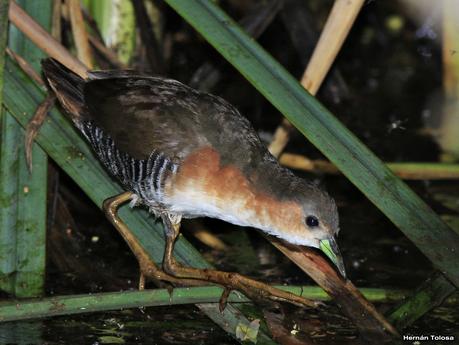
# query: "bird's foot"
[253,289]
[148,269]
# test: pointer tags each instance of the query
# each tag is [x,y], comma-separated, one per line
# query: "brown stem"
[56,20]
[406,170]
[339,22]
[353,303]
[44,40]
[80,35]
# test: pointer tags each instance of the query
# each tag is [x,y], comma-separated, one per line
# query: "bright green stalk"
[77,304]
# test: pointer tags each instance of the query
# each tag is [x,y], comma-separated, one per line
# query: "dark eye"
[312,221]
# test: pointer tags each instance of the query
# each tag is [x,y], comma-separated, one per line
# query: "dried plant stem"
[56,23]
[280,138]
[344,293]
[336,29]
[80,35]
[449,126]
[339,22]
[44,40]
[203,234]
[407,171]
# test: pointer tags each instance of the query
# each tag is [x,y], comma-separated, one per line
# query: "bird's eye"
[312,221]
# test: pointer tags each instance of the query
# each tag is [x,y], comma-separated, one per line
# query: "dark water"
[389,77]
[164,325]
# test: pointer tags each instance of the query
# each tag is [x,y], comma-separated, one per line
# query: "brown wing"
[143,114]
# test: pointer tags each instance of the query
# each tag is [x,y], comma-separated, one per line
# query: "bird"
[183,153]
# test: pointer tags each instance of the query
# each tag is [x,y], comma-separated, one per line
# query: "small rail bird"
[183,154]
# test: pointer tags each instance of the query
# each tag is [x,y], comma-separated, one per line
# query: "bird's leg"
[231,281]
[148,269]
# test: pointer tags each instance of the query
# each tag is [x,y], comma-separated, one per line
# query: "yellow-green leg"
[148,269]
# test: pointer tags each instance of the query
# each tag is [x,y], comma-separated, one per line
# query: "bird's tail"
[67,86]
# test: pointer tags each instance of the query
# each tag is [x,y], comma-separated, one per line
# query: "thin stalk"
[405,170]
[56,23]
[449,127]
[77,304]
[339,23]
[337,27]
[44,40]
[80,35]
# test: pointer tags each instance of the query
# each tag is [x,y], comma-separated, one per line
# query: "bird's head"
[321,224]
[310,218]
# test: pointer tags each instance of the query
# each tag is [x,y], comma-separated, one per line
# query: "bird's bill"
[331,250]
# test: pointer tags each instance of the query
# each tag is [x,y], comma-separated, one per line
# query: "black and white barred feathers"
[145,177]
